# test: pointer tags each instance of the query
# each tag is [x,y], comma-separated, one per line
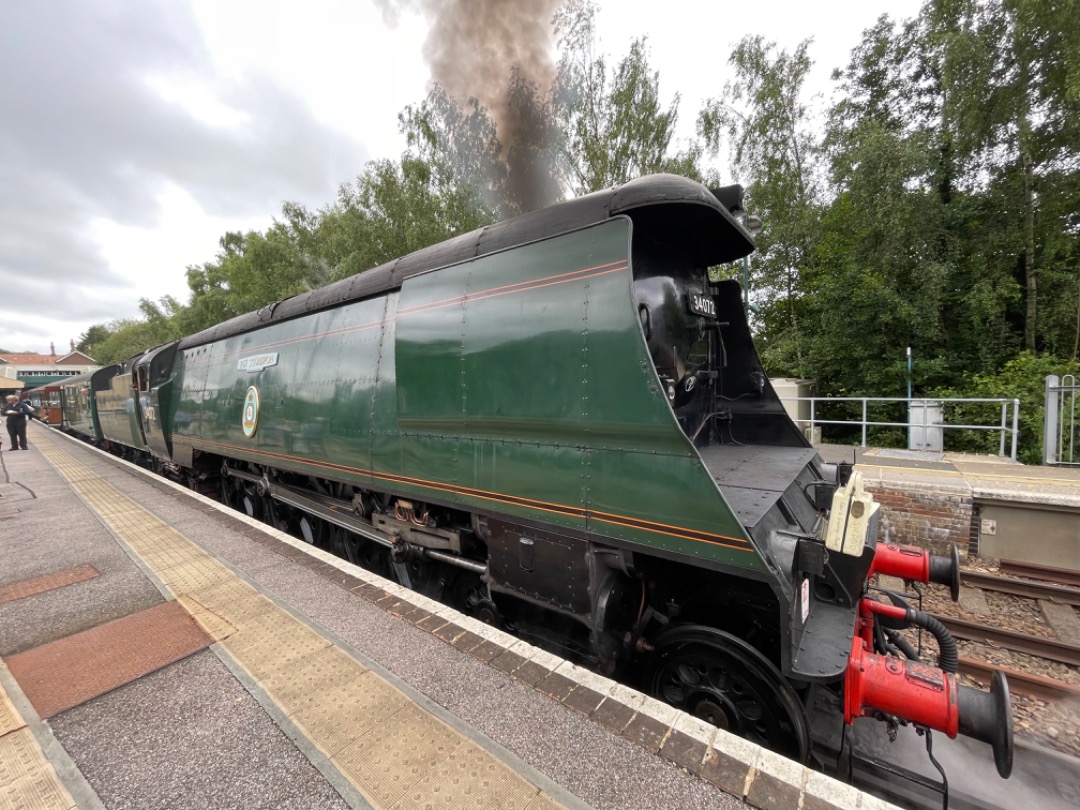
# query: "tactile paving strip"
[9,718]
[46,582]
[467,780]
[27,780]
[393,751]
[397,754]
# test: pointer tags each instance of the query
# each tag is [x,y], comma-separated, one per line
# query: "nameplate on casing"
[257,362]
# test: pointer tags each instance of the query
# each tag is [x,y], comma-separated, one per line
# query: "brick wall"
[932,516]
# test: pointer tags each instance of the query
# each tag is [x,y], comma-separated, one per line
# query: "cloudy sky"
[134,133]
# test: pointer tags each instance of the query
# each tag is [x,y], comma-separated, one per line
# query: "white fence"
[921,422]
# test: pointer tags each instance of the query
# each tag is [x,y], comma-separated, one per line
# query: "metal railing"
[1003,427]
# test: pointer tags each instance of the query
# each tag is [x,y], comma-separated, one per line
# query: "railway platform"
[159,650]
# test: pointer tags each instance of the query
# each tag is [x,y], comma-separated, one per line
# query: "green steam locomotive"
[560,425]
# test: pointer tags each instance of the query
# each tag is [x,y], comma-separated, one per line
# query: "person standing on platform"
[17,413]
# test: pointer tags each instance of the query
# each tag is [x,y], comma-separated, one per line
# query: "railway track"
[1056,588]
[1059,576]
[1020,587]
[1050,649]
[1028,683]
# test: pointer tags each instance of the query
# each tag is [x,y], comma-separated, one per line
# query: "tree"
[393,209]
[254,269]
[127,338]
[1009,71]
[460,147]
[612,124]
[883,274]
[91,338]
[768,128]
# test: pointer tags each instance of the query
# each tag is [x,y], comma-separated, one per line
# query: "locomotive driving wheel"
[724,681]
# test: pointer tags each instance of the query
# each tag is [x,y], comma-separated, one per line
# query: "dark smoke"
[500,52]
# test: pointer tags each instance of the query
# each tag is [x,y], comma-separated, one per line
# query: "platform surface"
[162,651]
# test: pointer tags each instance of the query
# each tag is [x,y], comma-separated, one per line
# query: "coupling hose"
[948,659]
[902,644]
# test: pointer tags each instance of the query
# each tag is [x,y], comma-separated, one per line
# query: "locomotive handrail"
[1004,427]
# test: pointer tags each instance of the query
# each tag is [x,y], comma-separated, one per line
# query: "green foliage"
[393,209]
[937,220]
[252,270]
[613,126]
[460,150]
[89,340]
[1023,378]
[768,130]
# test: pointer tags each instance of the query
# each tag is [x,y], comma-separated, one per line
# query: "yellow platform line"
[397,754]
[886,471]
[28,780]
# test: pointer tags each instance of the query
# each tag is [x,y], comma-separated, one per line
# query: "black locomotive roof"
[675,203]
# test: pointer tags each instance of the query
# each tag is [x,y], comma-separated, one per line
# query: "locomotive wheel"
[469,594]
[313,531]
[251,502]
[724,681]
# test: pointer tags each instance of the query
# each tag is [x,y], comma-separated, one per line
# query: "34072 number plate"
[701,305]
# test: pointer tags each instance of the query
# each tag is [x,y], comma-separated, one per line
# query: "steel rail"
[1041,687]
[1017,642]
[1047,573]
[1020,587]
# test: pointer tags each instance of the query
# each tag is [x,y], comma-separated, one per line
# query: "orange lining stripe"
[451,488]
[301,338]
[602,515]
[498,497]
[547,506]
[680,536]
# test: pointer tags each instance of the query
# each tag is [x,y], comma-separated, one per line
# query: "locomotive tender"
[559,424]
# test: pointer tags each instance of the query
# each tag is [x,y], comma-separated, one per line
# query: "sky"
[135,133]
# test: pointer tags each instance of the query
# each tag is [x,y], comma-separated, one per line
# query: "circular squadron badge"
[250,419]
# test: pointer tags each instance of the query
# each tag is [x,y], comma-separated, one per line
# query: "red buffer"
[924,694]
[918,565]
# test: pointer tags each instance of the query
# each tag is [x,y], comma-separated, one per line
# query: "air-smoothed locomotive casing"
[506,373]
[517,382]
[559,425]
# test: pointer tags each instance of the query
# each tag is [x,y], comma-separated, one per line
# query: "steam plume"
[500,52]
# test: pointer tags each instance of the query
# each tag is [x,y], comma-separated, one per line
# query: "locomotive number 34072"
[702,304]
